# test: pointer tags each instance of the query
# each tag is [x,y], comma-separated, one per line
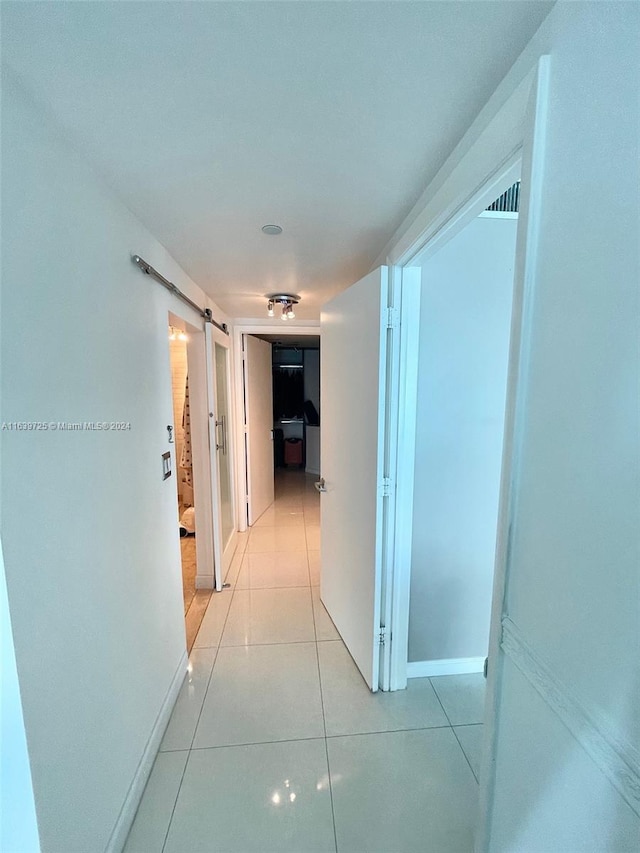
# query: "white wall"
[89,527]
[465,316]
[18,825]
[573,590]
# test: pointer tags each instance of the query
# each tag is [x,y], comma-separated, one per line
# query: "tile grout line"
[455,733]
[253,645]
[299,739]
[451,726]
[262,588]
[251,743]
[388,732]
[440,703]
[186,764]
[175,802]
[218,647]
[326,751]
[324,719]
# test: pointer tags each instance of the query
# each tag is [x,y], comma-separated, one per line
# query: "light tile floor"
[276,743]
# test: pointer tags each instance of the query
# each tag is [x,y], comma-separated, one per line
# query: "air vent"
[509,201]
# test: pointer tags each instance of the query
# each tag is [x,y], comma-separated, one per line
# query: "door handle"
[223,446]
[320,486]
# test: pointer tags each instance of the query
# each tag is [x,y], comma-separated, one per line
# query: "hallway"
[276,744]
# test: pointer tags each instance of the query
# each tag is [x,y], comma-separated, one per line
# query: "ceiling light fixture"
[177,334]
[284,300]
[271,230]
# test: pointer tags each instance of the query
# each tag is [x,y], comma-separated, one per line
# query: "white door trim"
[214,476]
[490,164]
[397,578]
[491,145]
[196,360]
[222,556]
[250,327]
[438,234]
[534,141]
[465,185]
[410,277]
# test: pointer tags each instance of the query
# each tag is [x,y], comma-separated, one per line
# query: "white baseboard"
[312,471]
[205,582]
[141,776]
[453,666]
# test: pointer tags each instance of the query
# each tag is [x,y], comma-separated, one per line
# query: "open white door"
[258,408]
[220,452]
[353,392]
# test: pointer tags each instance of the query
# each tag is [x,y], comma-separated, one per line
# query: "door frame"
[401,438]
[533,156]
[253,327]
[409,274]
[202,486]
[469,179]
[491,147]
[222,557]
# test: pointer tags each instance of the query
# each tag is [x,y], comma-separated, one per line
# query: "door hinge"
[386,487]
[485,668]
[382,636]
[393,318]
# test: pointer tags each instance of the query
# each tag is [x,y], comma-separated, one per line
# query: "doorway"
[295,364]
[296,404]
[279,394]
[465,324]
[183,350]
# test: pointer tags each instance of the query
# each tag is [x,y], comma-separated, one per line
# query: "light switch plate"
[166,466]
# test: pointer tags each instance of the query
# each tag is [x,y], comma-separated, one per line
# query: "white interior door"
[220,452]
[353,393]
[258,407]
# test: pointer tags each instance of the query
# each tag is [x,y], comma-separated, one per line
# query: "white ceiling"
[211,119]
